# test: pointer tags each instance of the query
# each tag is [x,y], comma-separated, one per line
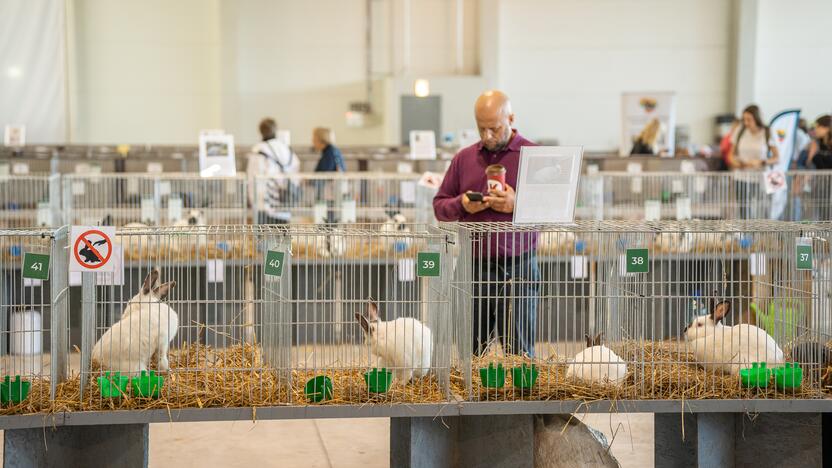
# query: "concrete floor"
[338,443]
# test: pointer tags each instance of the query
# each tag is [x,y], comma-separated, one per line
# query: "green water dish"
[378,380]
[493,377]
[757,376]
[524,376]
[113,386]
[14,391]
[148,386]
[788,377]
[318,389]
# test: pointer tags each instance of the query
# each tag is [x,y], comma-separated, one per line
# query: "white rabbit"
[396,228]
[191,218]
[137,246]
[597,363]
[402,345]
[147,327]
[729,349]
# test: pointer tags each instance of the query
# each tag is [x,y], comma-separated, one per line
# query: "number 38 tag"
[427,264]
[638,261]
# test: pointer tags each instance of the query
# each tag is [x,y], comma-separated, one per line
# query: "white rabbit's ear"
[720,310]
[372,310]
[162,291]
[150,281]
[362,320]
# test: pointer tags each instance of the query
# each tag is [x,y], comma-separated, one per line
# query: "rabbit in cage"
[403,345]
[191,218]
[146,327]
[729,349]
[396,228]
[597,363]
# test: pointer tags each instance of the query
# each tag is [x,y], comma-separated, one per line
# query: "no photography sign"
[92,247]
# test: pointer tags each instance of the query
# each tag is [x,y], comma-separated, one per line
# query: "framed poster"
[216,155]
[547,184]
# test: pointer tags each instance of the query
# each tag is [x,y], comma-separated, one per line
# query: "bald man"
[504,264]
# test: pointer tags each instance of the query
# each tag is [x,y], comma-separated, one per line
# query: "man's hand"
[502,202]
[474,206]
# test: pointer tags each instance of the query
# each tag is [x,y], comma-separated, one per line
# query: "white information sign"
[349,212]
[20,168]
[154,168]
[683,210]
[216,155]
[15,135]
[652,210]
[92,248]
[547,184]
[422,144]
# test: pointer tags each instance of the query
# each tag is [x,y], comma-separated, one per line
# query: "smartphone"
[474,196]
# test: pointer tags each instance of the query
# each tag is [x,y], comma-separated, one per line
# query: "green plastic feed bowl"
[757,376]
[14,391]
[789,376]
[318,389]
[524,376]
[147,386]
[114,386]
[493,377]
[378,380]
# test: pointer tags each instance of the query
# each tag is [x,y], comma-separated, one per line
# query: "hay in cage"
[349,387]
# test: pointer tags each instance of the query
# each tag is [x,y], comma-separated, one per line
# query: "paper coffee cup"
[496,174]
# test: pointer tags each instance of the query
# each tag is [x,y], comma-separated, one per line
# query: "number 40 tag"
[36,266]
[427,264]
[274,263]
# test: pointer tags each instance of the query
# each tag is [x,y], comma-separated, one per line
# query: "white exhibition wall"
[158,71]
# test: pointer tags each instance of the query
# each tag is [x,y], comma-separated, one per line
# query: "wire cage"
[30,201]
[371,318]
[189,319]
[337,197]
[136,200]
[620,310]
[653,196]
[34,325]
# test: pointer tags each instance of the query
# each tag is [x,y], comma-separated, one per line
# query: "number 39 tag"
[427,264]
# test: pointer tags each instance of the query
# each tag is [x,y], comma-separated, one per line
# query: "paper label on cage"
[82,168]
[803,253]
[677,186]
[164,188]
[95,169]
[78,188]
[20,168]
[215,271]
[687,167]
[348,211]
[154,168]
[427,264]
[598,198]
[4,169]
[408,192]
[652,210]
[683,210]
[148,211]
[757,264]
[699,184]
[406,269]
[635,185]
[592,170]
[32,283]
[404,168]
[74,278]
[35,266]
[634,168]
[174,209]
[274,263]
[115,277]
[132,185]
[580,265]
[319,212]
[44,214]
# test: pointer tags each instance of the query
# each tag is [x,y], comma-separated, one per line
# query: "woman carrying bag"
[753,149]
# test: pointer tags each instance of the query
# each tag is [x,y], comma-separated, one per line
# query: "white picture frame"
[216,155]
[547,173]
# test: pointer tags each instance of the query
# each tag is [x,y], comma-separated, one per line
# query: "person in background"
[752,149]
[323,140]
[271,196]
[499,259]
[726,144]
[820,156]
[647,142]
[797,182]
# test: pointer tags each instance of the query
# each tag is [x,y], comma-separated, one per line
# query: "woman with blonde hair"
[647,142]
[332,160]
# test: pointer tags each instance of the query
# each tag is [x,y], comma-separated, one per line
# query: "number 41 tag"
[427,264]
[36,266]
[274,263]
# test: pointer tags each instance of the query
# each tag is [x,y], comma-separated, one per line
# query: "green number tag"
[638,261]
[804,257]
[36,266]
[427,264]
[274,263]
